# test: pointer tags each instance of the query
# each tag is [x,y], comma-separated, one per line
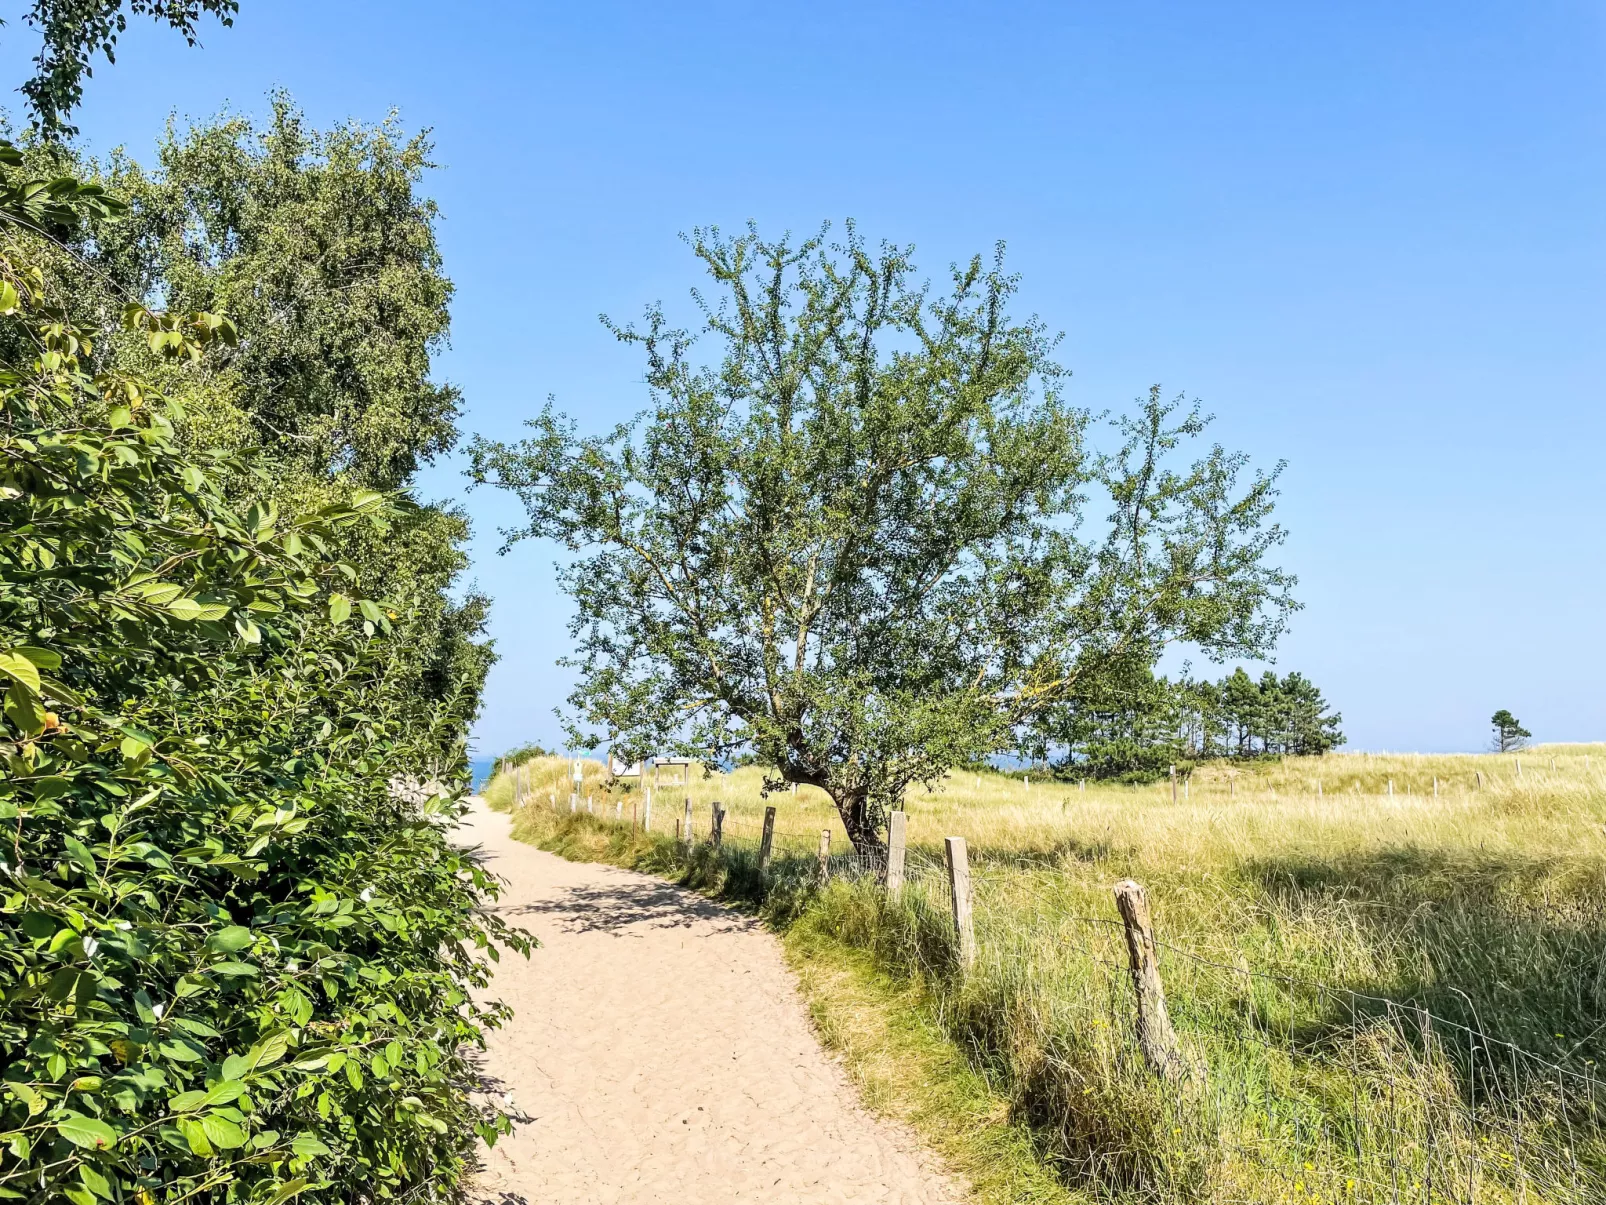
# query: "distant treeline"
[1135,729]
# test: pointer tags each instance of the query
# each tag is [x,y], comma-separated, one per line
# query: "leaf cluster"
[236,964]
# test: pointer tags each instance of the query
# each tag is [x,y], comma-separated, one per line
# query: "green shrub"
[236,947]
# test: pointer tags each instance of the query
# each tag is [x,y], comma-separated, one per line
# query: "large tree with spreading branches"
[851,539]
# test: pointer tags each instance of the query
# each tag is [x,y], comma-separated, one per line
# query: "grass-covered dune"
[1383,997]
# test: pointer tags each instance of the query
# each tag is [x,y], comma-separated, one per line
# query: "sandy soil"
[660,1053]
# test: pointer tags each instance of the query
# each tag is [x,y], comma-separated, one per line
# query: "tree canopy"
[321,247]
[1509,733]
[851,540]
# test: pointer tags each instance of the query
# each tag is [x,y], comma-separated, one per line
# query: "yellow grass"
[1293,918]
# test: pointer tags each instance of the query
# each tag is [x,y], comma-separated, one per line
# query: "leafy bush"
[236,947]
[517,757]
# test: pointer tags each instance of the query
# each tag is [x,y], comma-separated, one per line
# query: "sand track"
[661,1054]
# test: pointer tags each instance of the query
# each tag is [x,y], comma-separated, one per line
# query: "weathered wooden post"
[825,856]
[686,829]
[1519,767]
[618,810]
[766,841]
[677,830]
[646,811]
[1156,1039]
[897,837]
[1391,788]
[633,806]
[959,894]
[716,832]
[1173,784]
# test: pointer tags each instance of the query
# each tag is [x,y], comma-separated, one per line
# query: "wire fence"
[1291,1088]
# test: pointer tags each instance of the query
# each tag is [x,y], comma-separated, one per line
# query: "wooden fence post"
[677,830]
[825,856]
[646,811]
[686,830]
[716,833]
[959,894]
[766,841]
[897,839]
[1156,1039]
[1173,784]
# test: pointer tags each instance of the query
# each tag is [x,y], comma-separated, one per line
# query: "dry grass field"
[1383,997]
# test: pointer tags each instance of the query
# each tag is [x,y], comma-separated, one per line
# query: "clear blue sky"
[1370,237]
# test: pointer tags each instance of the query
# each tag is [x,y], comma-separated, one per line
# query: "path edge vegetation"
[880,1023]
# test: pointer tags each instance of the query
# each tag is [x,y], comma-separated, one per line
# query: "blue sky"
[1370,237]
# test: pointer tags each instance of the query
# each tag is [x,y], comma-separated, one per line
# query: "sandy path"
[660,1053]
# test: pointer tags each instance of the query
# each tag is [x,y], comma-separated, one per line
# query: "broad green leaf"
[222,1133]
[308,1146]
[339,610]
[230,940]
[195,1136]
[38,925]
[14,664]
[286,1190]
[224,1092]
[41,658]
[188,1102]
[184,608]
[88,1132]
[95,1182]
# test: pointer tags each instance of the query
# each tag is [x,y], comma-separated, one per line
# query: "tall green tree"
[1509,734]
[849,537]
[321,246]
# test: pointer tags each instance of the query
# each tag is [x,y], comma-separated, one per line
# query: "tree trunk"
[854,808]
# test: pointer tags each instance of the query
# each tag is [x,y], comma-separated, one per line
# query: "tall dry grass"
[1386,997]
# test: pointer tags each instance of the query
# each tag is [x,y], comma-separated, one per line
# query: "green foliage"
[320,245]
[73,31]
[850,541]
[1132,727]
[517,757]
[236,948]
[1509,733]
